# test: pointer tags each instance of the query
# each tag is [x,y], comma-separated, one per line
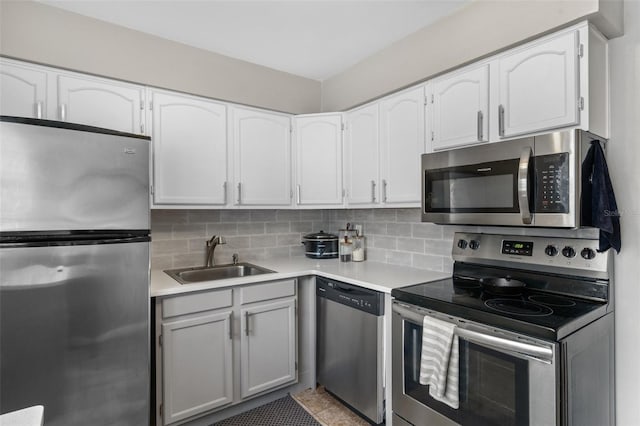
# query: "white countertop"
[373,275]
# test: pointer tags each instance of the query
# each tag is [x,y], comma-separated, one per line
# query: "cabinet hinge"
[291,194]
[426,100]
[432,98]
[141,104]
[141,128]
[432,136]
[150,106]
[296,366]
[580,50]
[581,103]
[151,189]
[160,410]
[342,127]
[160,340]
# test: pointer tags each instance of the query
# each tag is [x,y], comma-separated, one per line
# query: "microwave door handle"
[523,185]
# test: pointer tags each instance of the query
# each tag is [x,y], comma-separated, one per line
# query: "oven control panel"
[542,253]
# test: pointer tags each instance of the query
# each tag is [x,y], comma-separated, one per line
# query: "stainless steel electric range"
[534,322]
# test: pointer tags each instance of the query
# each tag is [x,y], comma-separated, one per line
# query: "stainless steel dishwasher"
[350,360]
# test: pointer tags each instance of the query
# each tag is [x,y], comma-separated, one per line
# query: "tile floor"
[326,409]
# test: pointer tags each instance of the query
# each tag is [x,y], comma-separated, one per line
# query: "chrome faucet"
[211,246]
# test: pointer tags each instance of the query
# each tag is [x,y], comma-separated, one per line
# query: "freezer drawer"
[74,332]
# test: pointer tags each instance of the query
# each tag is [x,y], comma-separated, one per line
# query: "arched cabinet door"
[361,150]
[461,108]
[189,140]
[318,147]
[402,142]
[261,143]
[539,87]
[23,90]
[102,103]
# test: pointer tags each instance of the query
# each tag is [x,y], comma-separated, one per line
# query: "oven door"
[505,378]
[483,185]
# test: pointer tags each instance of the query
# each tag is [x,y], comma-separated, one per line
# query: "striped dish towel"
[439,360]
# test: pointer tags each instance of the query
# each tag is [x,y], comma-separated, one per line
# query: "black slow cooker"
[320,245]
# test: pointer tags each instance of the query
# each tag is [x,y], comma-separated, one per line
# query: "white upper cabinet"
[460,103]
[261,144]
[539,86]
[361,150]
[23,90]
[101,103]
[189,144]
[402,141]
[318,154]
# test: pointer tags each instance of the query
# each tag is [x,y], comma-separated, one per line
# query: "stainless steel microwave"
[533,181]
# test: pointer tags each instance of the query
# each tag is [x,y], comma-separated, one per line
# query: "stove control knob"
[551,250]
[462,244]
[568,251]
[474,244]
[587,253]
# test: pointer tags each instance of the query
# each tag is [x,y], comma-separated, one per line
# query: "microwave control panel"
[552,183]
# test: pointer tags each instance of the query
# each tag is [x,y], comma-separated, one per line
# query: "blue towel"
[598,203]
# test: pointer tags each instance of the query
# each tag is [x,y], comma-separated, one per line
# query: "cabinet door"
[101,103]
[189,150]
[24,91]
[197,365]
[402,142]
[262,157]
[268,346]
[460,109]
[539,87]
[361,169]
[319,159]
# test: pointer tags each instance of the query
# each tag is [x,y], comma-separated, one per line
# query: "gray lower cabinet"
[218,348]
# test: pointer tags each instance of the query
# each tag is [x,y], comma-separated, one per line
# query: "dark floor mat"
[281,412]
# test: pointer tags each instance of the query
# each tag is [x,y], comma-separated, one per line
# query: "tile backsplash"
[394,236]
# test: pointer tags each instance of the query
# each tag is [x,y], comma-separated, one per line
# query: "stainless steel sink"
[219,272]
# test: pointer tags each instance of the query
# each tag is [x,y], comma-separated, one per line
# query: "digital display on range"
[520,248]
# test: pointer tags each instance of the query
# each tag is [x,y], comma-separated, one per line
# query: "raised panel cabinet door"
[460,109]
[318,159]
[361,169]
[402,142]
[268,346]
[262,157]
[189,150]
[102,103]
[197,365]
[23,91]
[539,87]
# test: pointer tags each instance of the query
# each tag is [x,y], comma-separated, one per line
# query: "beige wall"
[480,28]
[51,36]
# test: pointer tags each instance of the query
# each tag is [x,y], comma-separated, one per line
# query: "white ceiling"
[311,38]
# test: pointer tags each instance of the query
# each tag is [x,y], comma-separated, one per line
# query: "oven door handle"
[539,353]
[523,185]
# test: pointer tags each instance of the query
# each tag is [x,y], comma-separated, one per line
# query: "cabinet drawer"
[196,302]
[267,291]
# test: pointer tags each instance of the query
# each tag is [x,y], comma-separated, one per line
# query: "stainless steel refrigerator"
[74,272]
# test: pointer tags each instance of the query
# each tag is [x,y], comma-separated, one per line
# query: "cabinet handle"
[480,122]
[373,191]
[298,193]
[246,323]
[384,190]
[38,109]
[224,190]
[230,326]
[239,193]
[500,120]
[63,112]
